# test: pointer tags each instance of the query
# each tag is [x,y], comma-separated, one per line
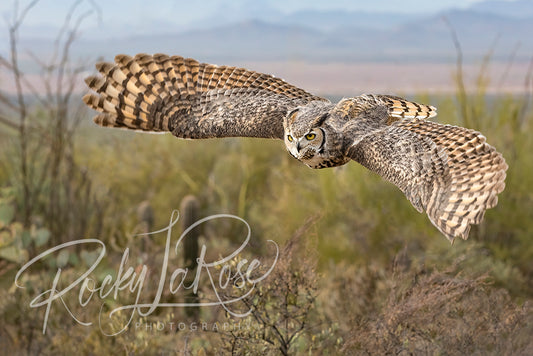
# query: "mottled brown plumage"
[449,172]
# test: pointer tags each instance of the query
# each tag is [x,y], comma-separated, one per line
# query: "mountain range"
[502,28]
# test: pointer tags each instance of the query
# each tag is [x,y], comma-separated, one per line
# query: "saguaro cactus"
[145,214]
[189,208]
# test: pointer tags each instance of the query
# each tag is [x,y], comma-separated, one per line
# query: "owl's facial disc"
[306,146]
[304,136]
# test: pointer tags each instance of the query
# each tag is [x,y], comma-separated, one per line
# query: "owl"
[449,172]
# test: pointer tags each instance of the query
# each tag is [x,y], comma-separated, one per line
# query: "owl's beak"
[298,147]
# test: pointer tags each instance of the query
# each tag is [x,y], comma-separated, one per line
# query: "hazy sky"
[168,9]
[174,14]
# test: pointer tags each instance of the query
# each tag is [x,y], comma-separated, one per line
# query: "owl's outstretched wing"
[449,172]
[191,99]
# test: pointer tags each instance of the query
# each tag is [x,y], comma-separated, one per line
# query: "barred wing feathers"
[190,99]
[449,172]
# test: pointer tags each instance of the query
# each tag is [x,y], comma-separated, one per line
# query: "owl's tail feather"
[476,177]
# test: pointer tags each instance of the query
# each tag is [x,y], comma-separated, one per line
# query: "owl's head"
[305,133]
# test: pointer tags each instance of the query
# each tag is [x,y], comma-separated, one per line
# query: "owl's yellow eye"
[289,137]
[310,136]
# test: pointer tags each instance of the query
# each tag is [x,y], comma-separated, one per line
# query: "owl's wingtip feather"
[121,57]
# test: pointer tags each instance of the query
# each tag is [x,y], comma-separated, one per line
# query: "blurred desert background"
[360,271]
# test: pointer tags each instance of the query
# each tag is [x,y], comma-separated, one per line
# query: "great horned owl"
[449,172]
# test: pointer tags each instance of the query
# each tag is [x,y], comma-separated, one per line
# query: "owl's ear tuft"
[291,115]
[320,120]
